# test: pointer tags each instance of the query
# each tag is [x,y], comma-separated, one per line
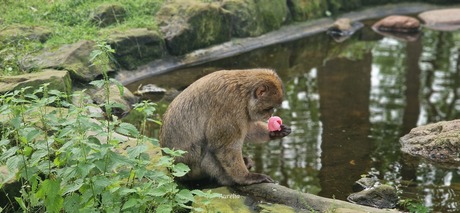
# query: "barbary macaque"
[214,116]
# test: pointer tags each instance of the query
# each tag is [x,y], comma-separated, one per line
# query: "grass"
[69,22]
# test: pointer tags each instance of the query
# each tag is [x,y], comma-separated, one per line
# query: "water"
[348,104]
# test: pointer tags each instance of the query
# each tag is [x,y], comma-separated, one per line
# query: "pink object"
[274,123]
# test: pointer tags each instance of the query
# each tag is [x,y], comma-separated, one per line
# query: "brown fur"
[213,117]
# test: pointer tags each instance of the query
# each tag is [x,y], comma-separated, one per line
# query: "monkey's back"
[210,104]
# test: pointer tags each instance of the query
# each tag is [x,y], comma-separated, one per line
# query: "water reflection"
[348,104]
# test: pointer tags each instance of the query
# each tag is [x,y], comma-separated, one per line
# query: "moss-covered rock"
[253,18]
[191,24]
[302,10]
[108,14]
[137,46]
[57,79]
[17,32]
[71,57]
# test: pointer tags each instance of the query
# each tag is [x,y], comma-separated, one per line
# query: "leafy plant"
[414,206]
[68,159]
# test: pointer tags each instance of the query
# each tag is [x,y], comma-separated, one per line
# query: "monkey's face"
[262,105]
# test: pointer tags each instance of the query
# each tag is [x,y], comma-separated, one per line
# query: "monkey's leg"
[232,162]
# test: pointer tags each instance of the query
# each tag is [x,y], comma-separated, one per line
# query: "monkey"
[215,115]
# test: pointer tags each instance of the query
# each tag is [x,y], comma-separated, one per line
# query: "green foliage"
[68,20]
[69,161]
[414,206]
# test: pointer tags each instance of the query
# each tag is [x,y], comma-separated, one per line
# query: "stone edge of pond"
[284,34]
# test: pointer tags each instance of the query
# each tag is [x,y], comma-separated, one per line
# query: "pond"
[348,104]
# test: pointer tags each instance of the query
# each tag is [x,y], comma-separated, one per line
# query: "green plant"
[68,159]
[414,206]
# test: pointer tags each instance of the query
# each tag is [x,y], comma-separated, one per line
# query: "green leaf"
[37,156]
[13,162]
[164,208]
[21,203]
[71,203]
[133,152]
[48,191]
[97,83]
[71,187]
[180,170]
[4,142]
[174,153]
[8,153]
[184,196]
[127,129]
[130,203]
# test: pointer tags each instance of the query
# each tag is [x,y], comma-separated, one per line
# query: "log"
[274,193]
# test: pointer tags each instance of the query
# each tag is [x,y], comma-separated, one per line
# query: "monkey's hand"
[285,130]
[248,162]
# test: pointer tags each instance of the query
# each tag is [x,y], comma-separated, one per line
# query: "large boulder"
[108,14]
[302,10]
[74,58]
[57,79]
[17,32]
[445,19]
[137,46]
[438,142]
[254,18]
[191,24]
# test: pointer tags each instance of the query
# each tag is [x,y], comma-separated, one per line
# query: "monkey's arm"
[258,132]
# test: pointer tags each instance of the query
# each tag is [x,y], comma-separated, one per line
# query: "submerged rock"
[191,24]
[343,28]
[381,196]
[446,19]
[137,46]
[397,23]
[438,142]
[57,79]
[150,92]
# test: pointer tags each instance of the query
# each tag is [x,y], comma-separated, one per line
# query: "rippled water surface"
[348,104]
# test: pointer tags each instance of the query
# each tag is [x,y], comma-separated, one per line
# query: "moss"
[302,10]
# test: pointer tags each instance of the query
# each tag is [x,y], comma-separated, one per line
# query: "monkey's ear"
[260,91]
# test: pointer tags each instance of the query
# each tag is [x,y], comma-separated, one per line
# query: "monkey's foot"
[248,162]
[253,178]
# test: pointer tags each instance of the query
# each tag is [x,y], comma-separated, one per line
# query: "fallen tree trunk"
[274,193]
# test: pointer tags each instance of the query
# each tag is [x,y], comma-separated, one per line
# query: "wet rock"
[192,24]
[254,18]
[343,28]
[437,142]
[57,79]
[365,183]
[137,46]
[397,23]
[302,10]
[120,100]
[17,32]
[381,196]
[108,14]
[446,19]
[150,92]
[71,57]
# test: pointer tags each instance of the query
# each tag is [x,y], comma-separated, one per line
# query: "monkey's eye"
[269,109]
